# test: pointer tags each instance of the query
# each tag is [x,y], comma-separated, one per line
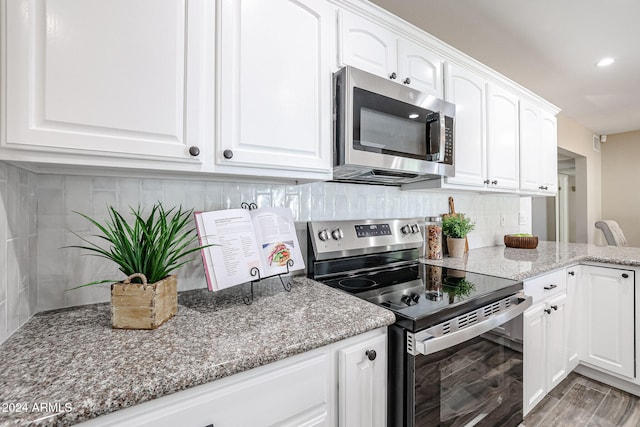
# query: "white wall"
[620,175]
[18,255]
[58,196]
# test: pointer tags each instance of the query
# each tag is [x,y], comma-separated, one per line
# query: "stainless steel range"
[455,351]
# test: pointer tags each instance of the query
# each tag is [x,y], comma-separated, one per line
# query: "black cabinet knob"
[495,182]
[194,151]
[486,181]
[547,310]
[572,273]
[227,154]
[625,275]
[393,76]
[371,354]
[555,307]
[407,81]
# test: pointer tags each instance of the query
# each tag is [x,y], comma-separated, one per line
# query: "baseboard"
[608,379]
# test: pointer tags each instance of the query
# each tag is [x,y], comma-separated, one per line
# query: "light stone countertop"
[73,356]
[521,264]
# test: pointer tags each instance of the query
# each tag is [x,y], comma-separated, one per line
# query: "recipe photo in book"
[245,239]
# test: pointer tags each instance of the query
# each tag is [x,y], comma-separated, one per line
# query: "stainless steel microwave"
[388,133]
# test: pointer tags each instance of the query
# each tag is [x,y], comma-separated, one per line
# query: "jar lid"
[433,219]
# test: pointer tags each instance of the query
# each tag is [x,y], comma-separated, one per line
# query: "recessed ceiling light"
[605,62]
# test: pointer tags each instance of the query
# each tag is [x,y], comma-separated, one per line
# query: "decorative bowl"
[520,242]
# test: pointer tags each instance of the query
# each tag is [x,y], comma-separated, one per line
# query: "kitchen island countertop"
[520,264]
[72,360]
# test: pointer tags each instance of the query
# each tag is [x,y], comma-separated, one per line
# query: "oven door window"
[476,383]
[388,126]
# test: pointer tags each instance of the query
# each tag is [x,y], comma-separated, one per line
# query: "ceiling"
[549,47]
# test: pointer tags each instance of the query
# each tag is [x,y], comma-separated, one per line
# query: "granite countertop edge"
[523,264]
[213,335]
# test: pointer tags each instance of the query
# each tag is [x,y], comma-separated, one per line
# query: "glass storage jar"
[433,237]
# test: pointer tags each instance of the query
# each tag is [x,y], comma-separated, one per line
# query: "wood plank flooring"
[579,401]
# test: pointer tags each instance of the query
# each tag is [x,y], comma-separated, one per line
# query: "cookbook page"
[236,251]
[277,240]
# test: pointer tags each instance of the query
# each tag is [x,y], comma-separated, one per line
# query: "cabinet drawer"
[544,286]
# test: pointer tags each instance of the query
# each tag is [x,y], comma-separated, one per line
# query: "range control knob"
[405,229]
[337,234]
[415,228]
[323,235]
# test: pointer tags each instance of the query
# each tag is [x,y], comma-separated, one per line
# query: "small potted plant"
[146,251]
[455,228]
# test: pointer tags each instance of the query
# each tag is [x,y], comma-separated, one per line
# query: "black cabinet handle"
[371,354]
[194,151]
[209,425]
[227,154]
[407,81]
[393,76]
[572,273]
[548,288]
[625,275]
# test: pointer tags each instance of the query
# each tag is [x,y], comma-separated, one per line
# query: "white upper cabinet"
[468,92]
[100,79]
[274,88]
[538,150]
[370,47]
[502,139]
[549,153]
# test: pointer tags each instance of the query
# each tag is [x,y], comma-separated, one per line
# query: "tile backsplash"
[41,219]
[18,248]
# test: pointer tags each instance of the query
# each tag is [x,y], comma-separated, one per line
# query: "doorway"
[563,218]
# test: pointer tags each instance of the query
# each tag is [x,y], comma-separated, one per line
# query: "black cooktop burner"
[356,283]
[422,295]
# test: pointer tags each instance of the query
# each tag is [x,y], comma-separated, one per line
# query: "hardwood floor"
[580,401]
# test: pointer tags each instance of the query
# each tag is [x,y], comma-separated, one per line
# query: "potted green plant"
[146,251]
[455,228]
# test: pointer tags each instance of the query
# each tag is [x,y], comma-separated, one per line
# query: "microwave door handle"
[436,145]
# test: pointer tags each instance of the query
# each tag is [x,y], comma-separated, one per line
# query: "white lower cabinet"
[299,391]
[608,323]
[572,332]
[363,374]
[544,333]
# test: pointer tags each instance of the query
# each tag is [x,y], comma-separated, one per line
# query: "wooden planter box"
[138,306]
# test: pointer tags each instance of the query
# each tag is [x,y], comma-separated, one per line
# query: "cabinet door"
[367,46]
[572,331]
[468,91]
[530,147]
[549,153]
[503,145]
[556,344]
[608,330]
[420,68]
[274,86]
[363,384]
[534,357]
[102,78]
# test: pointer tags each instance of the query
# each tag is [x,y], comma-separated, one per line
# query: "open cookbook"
[262,238]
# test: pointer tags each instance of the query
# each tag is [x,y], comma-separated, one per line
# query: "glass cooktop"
[422,295]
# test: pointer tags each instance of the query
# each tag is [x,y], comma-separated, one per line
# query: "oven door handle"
[431,341]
